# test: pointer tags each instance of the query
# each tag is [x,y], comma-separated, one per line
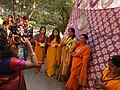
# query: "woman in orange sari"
[78,76]
[111,75]
[39,49]
[53,52]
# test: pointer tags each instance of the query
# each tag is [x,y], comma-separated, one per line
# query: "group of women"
[71,56]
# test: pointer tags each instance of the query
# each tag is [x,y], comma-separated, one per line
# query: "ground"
[40,81]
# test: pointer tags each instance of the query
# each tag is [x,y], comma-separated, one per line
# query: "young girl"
[53,52]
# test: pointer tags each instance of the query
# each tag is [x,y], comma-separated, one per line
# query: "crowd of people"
[72,57]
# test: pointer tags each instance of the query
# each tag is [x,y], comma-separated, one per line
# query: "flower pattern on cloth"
[104,37]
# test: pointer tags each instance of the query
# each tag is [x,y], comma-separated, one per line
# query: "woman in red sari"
[11,68]
[78,76]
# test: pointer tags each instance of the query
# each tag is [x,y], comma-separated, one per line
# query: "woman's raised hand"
[26,42]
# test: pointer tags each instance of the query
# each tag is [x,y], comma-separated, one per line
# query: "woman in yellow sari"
[53,52]
[40,43]
[78,76]
[111,75]
[68,44]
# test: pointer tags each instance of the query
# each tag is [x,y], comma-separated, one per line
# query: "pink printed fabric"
[16,64]
[103,31]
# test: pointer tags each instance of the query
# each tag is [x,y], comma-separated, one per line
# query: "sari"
[78,76]
[39,49]
[63,72]
[111,83]
[11,74]
[52,58]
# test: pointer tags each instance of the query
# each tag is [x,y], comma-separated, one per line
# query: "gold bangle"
[32,54]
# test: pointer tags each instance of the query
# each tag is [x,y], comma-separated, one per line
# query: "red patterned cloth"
[11,76]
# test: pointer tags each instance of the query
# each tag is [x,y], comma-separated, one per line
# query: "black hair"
[4,45]
[115,60]
[85,36]
[11,17]
[5,22]
[41,29]
[25,18]
[20,16]
[52,35]
[73,31]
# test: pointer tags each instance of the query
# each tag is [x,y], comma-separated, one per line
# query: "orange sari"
[39,50]
[79,68]
[40,53]
[52,58]
[112,84]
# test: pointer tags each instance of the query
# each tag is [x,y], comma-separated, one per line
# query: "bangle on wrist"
[32,54]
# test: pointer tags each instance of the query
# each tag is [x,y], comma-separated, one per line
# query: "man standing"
[28,32]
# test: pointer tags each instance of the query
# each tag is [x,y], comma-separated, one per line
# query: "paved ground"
[40,81]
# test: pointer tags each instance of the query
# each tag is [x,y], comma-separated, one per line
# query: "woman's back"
[11,74]
[11,68]
[5,67]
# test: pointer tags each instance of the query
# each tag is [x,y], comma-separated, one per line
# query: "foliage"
[45,12]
